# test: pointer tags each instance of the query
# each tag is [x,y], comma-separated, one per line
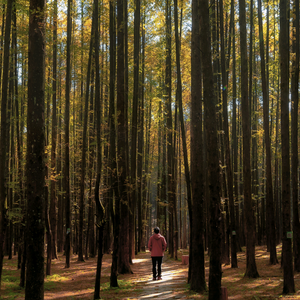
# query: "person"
[157,245]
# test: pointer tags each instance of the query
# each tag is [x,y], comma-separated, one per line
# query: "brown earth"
[78,281]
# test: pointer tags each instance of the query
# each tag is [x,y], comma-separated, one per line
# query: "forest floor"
[77,282]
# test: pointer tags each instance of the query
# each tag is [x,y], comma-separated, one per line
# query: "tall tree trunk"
[136,70]
[225,66]
[251,270]
[100,208]
[67,140]
[3,137]
[168,112]
[84,147]
[53,199]
[197,280]
[112,150]
[269,191]
[121,197]
[210,101]
[288,274]
[294,136]
[35,166]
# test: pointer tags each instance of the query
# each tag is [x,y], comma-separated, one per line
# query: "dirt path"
[172,285]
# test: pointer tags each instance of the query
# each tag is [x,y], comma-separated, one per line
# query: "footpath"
[174,279]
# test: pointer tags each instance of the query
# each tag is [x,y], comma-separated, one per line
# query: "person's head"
[156,230]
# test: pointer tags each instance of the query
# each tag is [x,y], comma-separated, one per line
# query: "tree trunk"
[35,167]
[225,66]
[136,70]
[294,136]
[269,188]
[3,136]
[121,197]
[53,199]
[197,280]
[287,255]
[100,208]
[67,140]
[215,271]
[84,147]
[251,270]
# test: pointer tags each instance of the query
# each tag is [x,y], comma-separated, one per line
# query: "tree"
[35,167]
[269,187]
[215,272]
[224,67]
[121,196]
[53,199]
[197,280]
[294,136]
[251,270]
[287,256]
[3,137]
[67,140]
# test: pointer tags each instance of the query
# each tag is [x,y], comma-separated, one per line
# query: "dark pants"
[157,259]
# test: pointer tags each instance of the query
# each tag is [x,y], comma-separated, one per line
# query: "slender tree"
[67,140]
[215,272]
[197,279]
[35,166]
[294,136]
[53,199]
[3,137]
[269,188]
[288,273]
[251,270]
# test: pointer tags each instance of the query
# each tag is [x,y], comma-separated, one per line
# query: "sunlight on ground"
[71,294]
[150,296]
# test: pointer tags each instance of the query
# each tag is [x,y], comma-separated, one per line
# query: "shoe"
[159,278]
[154,278]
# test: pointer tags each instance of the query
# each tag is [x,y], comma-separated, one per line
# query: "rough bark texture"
[35,166]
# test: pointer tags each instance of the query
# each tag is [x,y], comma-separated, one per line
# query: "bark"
[288,273]
[84,148]
[251,270]
[225,67]
[100,208]
[269,188]
[53,199]
[67,195]
[121,197]
[136,70]
[210,101]
[197,280]
[294,136]
[3,137]
[35,167]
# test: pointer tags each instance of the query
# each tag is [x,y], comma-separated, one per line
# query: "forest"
[121,115]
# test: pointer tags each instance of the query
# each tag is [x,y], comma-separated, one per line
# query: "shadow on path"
[174,279]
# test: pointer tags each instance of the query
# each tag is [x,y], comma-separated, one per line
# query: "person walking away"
[157,245]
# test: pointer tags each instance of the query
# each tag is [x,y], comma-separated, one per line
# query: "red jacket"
[157,245]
